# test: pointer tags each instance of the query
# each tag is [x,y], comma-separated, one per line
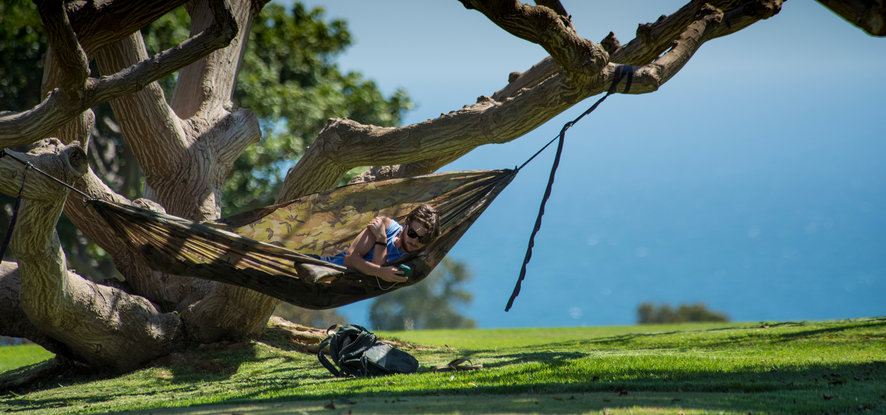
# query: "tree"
[430,304]
[188,146]
[648,313]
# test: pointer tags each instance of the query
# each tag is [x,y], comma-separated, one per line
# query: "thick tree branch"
[655,38]
[580,57]
[344,144]
[688,43]
[868,15]
[145,119]
[56,109]
[546,68]
[235,132]
[206,86]
[102,22]
[64,45]
[554,5]
[14,322]
[68,162]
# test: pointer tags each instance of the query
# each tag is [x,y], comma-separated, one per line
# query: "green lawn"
[13,357]
[739,368]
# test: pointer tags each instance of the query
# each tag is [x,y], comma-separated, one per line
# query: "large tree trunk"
[100,325]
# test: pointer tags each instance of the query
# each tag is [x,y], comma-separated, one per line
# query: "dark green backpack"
[357,352]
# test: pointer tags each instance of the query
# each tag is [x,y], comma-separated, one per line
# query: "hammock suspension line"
[620,71]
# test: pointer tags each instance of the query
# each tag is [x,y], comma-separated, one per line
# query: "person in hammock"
[385,240]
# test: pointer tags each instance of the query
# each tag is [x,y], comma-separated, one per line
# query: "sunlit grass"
[800,367]
[17,356]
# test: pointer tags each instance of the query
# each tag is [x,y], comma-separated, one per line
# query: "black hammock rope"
[21,192]
[621,71]
[18,202]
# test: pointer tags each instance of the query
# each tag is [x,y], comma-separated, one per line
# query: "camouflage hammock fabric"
[268,249]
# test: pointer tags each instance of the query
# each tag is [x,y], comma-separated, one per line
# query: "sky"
[751,182]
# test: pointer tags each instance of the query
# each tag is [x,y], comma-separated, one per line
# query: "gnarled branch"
[549,28]
[60,106]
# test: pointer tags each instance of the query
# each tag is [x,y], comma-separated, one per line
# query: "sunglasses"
[414,235]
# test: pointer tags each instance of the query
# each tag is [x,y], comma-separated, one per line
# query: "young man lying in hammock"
[384,240]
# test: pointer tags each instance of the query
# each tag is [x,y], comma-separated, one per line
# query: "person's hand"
[392,274]
[377,227]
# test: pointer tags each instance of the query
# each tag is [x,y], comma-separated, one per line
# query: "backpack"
[357,352]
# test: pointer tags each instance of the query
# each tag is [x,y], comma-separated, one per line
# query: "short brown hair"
[426,215]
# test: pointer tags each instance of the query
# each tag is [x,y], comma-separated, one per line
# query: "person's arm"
[373,237]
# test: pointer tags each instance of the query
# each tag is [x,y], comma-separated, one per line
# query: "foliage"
[648,313]
[291,82]
[430,304]
[22,45]
[736,368]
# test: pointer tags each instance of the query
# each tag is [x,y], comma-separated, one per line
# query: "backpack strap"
[346,345]
[324,361]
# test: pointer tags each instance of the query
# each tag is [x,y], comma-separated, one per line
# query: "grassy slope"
[834,366]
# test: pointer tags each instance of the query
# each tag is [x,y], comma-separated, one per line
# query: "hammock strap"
[620,71]
[49,176]
[18,201]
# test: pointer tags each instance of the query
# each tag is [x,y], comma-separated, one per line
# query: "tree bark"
[103,326]
[14,322]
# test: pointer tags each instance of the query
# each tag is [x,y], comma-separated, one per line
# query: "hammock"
[271,250]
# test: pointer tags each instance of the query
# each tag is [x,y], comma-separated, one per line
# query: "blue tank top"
[392,253]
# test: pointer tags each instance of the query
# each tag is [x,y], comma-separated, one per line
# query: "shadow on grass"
[829,388]
[752,334]
[871,324]
[211,362]
[825,387]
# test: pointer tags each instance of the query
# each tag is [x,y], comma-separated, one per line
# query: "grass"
[739,368]
[23,355]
